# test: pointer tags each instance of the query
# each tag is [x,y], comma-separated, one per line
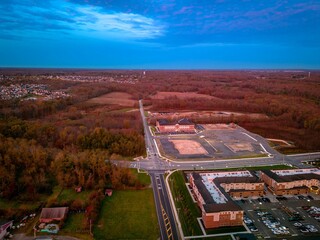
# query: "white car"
[297,224]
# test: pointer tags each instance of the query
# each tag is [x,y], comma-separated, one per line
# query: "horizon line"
[160,69]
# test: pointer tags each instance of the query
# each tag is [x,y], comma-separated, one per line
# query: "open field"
[73,227]
[128,215]
[181,95]
[68,195]
[117,98]
[208,116]
[189,211]
[144,178]
[188,147]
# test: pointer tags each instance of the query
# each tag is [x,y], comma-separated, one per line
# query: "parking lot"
[219,143]
[288,217]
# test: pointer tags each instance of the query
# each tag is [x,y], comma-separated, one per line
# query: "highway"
[156,166]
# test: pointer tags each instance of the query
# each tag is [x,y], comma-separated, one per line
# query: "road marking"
[250,136]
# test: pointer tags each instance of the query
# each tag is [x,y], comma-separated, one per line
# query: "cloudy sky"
[160,34]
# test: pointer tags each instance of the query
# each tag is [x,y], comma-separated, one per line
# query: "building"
[213,191]
[183,125]
[293,181]
[108,192]
[4,226]
[53,214]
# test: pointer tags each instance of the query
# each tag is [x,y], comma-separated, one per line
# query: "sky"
[160,34]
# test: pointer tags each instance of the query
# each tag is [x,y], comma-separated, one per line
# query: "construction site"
[210,141]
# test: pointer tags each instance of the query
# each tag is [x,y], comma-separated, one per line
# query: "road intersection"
[156,165]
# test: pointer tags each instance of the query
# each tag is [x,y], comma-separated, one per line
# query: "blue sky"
[160,34]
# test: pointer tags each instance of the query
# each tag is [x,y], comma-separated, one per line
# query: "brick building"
[294,181]
[182,125]
[212,192]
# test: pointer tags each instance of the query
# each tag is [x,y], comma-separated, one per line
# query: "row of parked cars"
[305,228]
[313,212]
[272,223]
[301,197]
[249,224]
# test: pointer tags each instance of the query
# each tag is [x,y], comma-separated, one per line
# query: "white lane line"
[250,136]
[155,143]
[210,145]
[264,149]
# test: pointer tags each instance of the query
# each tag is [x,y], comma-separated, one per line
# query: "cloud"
[118,24]
[25,16]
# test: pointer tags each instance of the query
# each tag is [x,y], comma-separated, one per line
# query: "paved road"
[156,166]
[166,219]
[165,216]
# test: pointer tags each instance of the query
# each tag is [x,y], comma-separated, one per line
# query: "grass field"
[128,214]
[188,210]
[226,230]
[73,227]
[68,195]
[272,167]
[118,98]
[71,195]
[143,177]
[181,95]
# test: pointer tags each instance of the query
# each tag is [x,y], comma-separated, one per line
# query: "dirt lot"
[218,127]
[237,147]
[181,95]
[118,98]
[206,114]
[188,147]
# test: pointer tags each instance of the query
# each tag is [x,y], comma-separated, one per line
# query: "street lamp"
[308,200]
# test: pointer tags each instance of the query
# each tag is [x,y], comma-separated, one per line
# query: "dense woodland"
[291,100]
[66,141]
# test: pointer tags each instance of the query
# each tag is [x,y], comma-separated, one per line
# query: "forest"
[66,142]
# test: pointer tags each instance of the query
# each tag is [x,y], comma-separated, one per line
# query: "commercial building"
[183,125]
[293,181]
[213,191]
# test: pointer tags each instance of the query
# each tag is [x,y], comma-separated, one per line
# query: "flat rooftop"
[293,175]
[216,194]
[215,197]
[296,171]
